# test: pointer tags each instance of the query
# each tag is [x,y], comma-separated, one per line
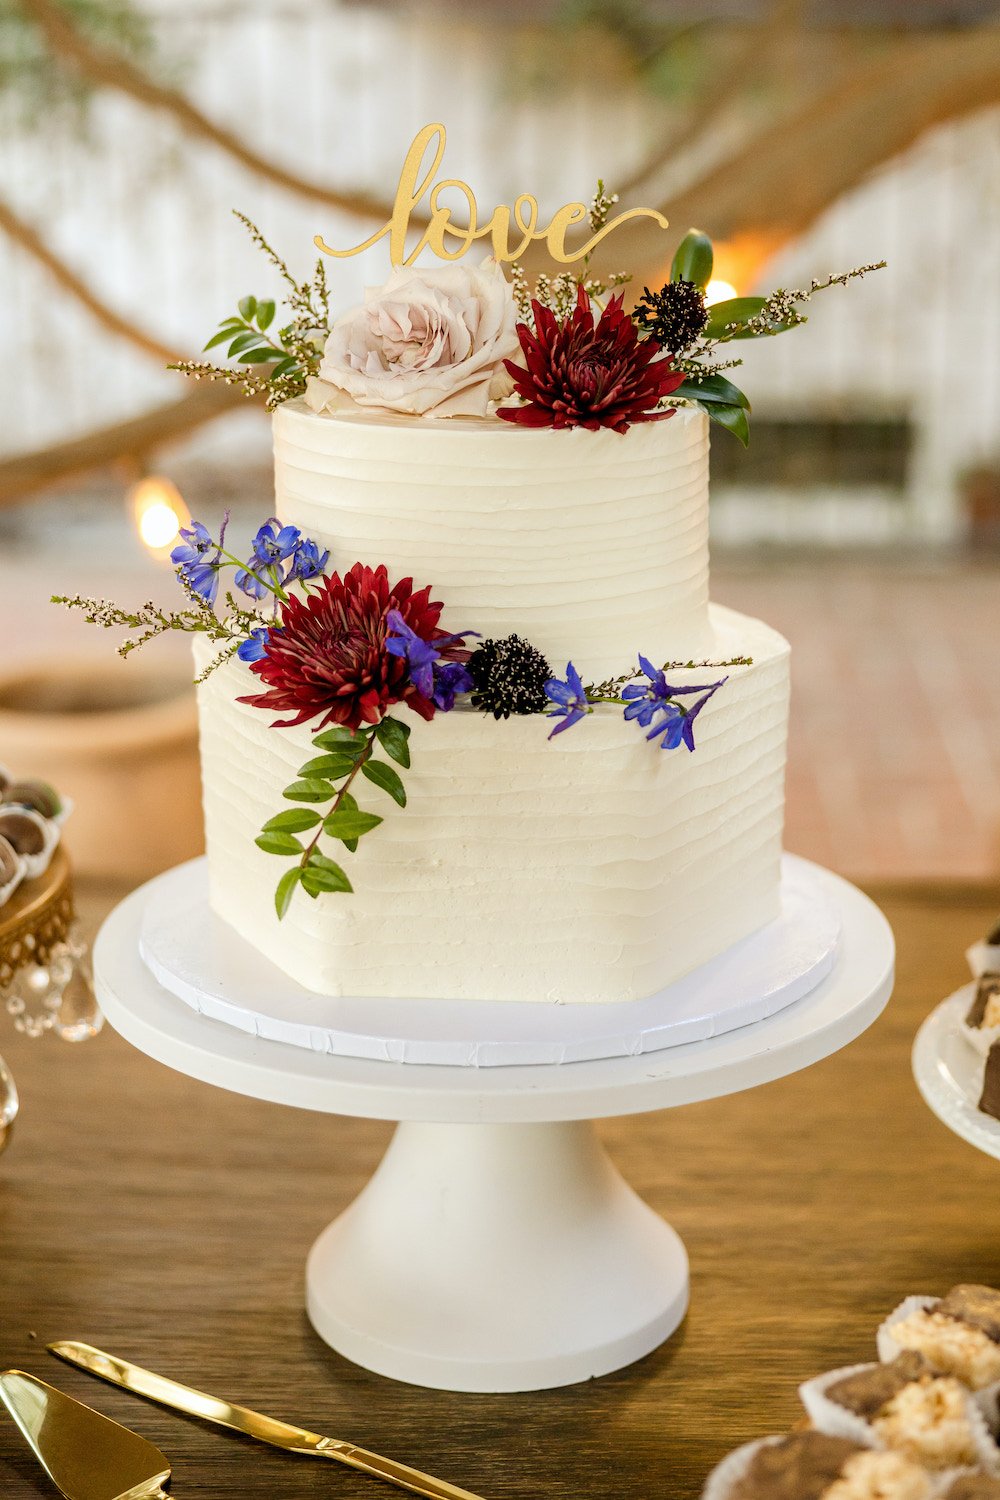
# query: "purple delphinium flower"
[419,655]
[440,681]
[651,705]
[679,729]
[673,729]
[254,648]
[274,542]
[307,561]
[450,679]
[569,698]
[192,561]
[645,700]
[271,546]
[250,584]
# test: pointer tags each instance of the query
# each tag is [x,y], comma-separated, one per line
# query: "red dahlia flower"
[579,375]
[328,658]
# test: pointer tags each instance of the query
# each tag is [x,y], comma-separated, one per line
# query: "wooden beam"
[107,69]
[32,243]
[783,177]
[26,473]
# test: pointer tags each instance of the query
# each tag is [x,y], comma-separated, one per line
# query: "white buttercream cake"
[589,868]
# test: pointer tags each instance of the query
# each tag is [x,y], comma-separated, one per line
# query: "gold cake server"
[86,1455]
[251,1423]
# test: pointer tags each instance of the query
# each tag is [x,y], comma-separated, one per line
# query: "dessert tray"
[949,1073]
[497,1248]
[201,960]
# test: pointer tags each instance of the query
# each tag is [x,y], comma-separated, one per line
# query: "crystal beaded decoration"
[57,995]
[8,1104]
[78,1016]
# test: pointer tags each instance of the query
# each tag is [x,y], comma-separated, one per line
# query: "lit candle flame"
[159,512]
[719,291]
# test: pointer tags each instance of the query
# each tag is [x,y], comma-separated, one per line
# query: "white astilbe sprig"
[149,621]
[781,309]
[559,293]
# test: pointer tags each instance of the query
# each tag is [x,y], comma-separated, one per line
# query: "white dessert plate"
[199,959]
[949,1073]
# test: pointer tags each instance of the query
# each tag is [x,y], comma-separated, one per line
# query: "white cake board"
[497,1248]
[949,1073]
[199,958]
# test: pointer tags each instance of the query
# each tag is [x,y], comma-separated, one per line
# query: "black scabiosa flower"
[508,677]
[674,316]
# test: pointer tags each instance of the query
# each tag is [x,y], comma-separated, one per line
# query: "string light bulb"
[159,512]
[719,291]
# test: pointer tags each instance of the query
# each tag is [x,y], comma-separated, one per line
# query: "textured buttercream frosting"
[592,545]
[593,867]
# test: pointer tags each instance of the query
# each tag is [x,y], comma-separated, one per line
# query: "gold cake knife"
[251,1423]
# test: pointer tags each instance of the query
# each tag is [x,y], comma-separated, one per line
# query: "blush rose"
[428,342]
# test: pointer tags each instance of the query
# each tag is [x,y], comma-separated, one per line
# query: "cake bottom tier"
[590,868]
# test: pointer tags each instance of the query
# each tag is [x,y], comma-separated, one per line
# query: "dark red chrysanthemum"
[328,660]
[582,375]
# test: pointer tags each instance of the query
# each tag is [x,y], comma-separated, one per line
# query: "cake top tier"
[582,542]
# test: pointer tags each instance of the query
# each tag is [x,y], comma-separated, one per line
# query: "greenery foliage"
[271,363]
[735,318]
[150,621]
[610,690]
[44,94]
[327,778]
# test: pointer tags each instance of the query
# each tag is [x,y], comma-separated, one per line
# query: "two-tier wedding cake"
[470,727]
[588,868]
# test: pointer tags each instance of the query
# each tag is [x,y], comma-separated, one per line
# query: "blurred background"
[805,136]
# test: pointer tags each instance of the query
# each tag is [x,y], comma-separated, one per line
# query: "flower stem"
[273,588]
[342,792]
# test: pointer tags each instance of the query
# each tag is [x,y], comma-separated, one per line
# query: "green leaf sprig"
[276,363]
[734,318]
[328,778]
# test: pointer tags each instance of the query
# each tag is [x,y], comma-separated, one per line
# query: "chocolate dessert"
[37,794]
[9,862]
[813,1466]
[973,1487]
[23,830]
[989,1101]
[978,1306]
[981,1012]
[907,1405]
[953,1342]
[874,1387]
[801,1466]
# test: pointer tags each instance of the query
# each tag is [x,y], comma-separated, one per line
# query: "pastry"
[960,1335]
[984,1013]
[813,1466]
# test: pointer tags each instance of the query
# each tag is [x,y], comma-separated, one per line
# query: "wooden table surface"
[809,1208]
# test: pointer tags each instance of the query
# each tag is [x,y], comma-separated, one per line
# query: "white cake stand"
[497,1248]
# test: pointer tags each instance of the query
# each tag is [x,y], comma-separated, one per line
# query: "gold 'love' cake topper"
[412,188]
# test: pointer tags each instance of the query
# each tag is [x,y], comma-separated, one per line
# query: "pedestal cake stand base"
[496,1258]
[497,1248]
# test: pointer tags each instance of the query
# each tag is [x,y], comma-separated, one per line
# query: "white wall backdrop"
[335,91]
